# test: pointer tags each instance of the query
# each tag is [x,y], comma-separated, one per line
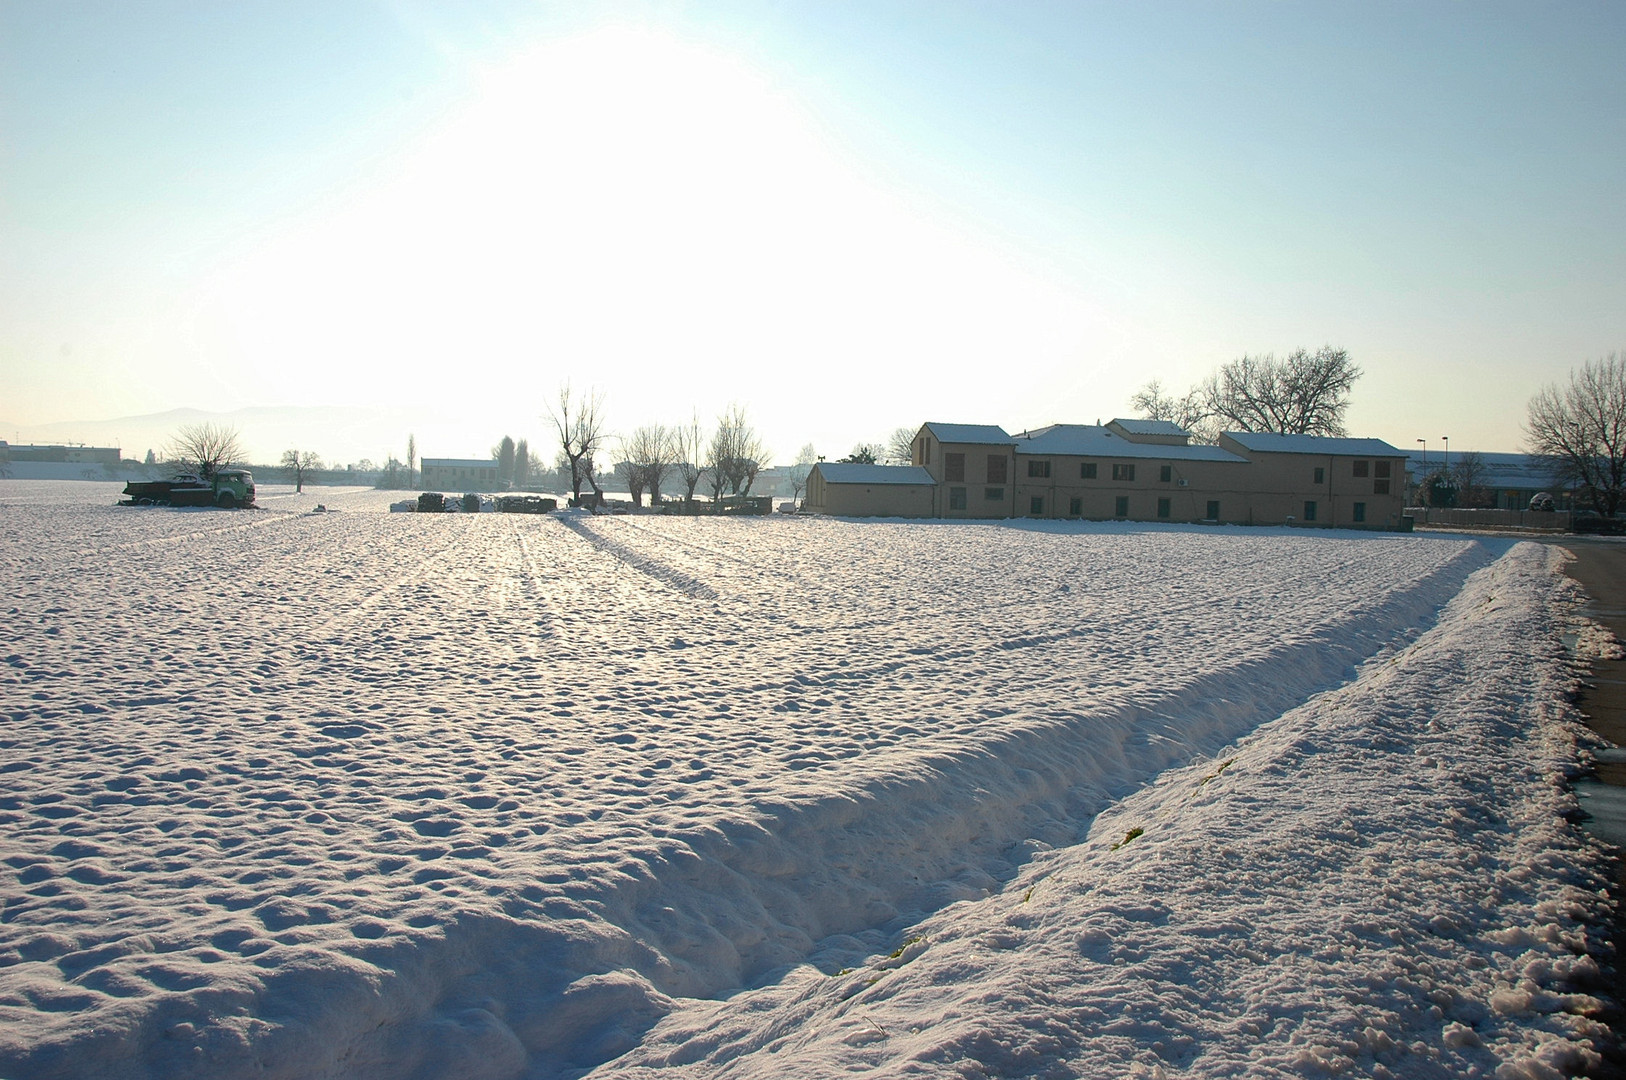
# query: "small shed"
[853,490]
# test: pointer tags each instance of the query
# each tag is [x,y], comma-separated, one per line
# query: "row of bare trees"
[728,461]
[207,448]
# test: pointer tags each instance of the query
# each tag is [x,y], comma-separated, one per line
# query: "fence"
[1535,520]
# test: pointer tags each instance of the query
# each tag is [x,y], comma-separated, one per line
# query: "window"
[1075,508]
[1361,467]
[1121,507]
[993,494]
[1040,469]
[1165,473]
[1380,487]
[926,453]
[1123,472]
[996,469]
[956,498]
[1212,514]
[1360,512]
[1086,471]
[1320,475]
[1380,469]
[1162,508]
[1309,511]
[1036,505]
[954,468]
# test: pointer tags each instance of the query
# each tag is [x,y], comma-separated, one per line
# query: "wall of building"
[459,476]
[989,492]
[867,500]
[1284,485]
[1191,486]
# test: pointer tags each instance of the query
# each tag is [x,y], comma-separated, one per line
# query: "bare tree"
[204,448]
[900,447]
[633,476]
[1468,475]
[298,463]
[504,453]
[1188,412]
[864,454]
[579,421]
[522,463]
[688,446]
[737,451]
[648,453]
[805,460]
[1582,427]
[719,458]
[412,460]
[1304,394]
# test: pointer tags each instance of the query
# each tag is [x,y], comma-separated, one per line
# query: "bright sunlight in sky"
[642,214]
[846,217]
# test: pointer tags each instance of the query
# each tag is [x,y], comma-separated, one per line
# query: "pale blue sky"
[848,216]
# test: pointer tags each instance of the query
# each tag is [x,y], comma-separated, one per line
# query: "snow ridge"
[1437,918]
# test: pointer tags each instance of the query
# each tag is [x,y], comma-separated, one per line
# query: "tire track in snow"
[333,630]
[273,517]
[707,909]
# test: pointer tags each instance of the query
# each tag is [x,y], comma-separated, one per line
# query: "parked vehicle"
[228,489]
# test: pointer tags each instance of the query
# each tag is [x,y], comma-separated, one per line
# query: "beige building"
[1134,470]
[1139,470]
[852,490]
[973,469]
[459,474]
[1312,480]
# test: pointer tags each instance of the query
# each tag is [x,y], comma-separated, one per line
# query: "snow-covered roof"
[1090,440]
[1150,427]
[1269,442]
[991,434]
[842,472]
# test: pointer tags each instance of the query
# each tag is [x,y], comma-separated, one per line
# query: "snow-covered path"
[1382,882]
[355,794]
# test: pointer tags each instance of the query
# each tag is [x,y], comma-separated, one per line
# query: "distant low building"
[458,474]
[73,455]
[1508,481]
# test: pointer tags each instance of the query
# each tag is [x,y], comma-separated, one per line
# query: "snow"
[354,794]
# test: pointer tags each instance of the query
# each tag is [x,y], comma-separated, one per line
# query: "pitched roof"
[1151,427]
[990,434]
[1091,440]
[842,472]
[1269,442]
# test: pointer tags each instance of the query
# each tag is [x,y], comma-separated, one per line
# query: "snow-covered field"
[353,794]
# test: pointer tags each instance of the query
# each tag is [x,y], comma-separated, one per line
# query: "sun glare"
[623,205]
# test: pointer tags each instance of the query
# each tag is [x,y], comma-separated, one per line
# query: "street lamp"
[1422,476]
[1445,463]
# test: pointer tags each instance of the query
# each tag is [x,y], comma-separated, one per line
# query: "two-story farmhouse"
[1136,470]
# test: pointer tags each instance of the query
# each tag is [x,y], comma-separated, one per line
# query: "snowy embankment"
[354,795]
